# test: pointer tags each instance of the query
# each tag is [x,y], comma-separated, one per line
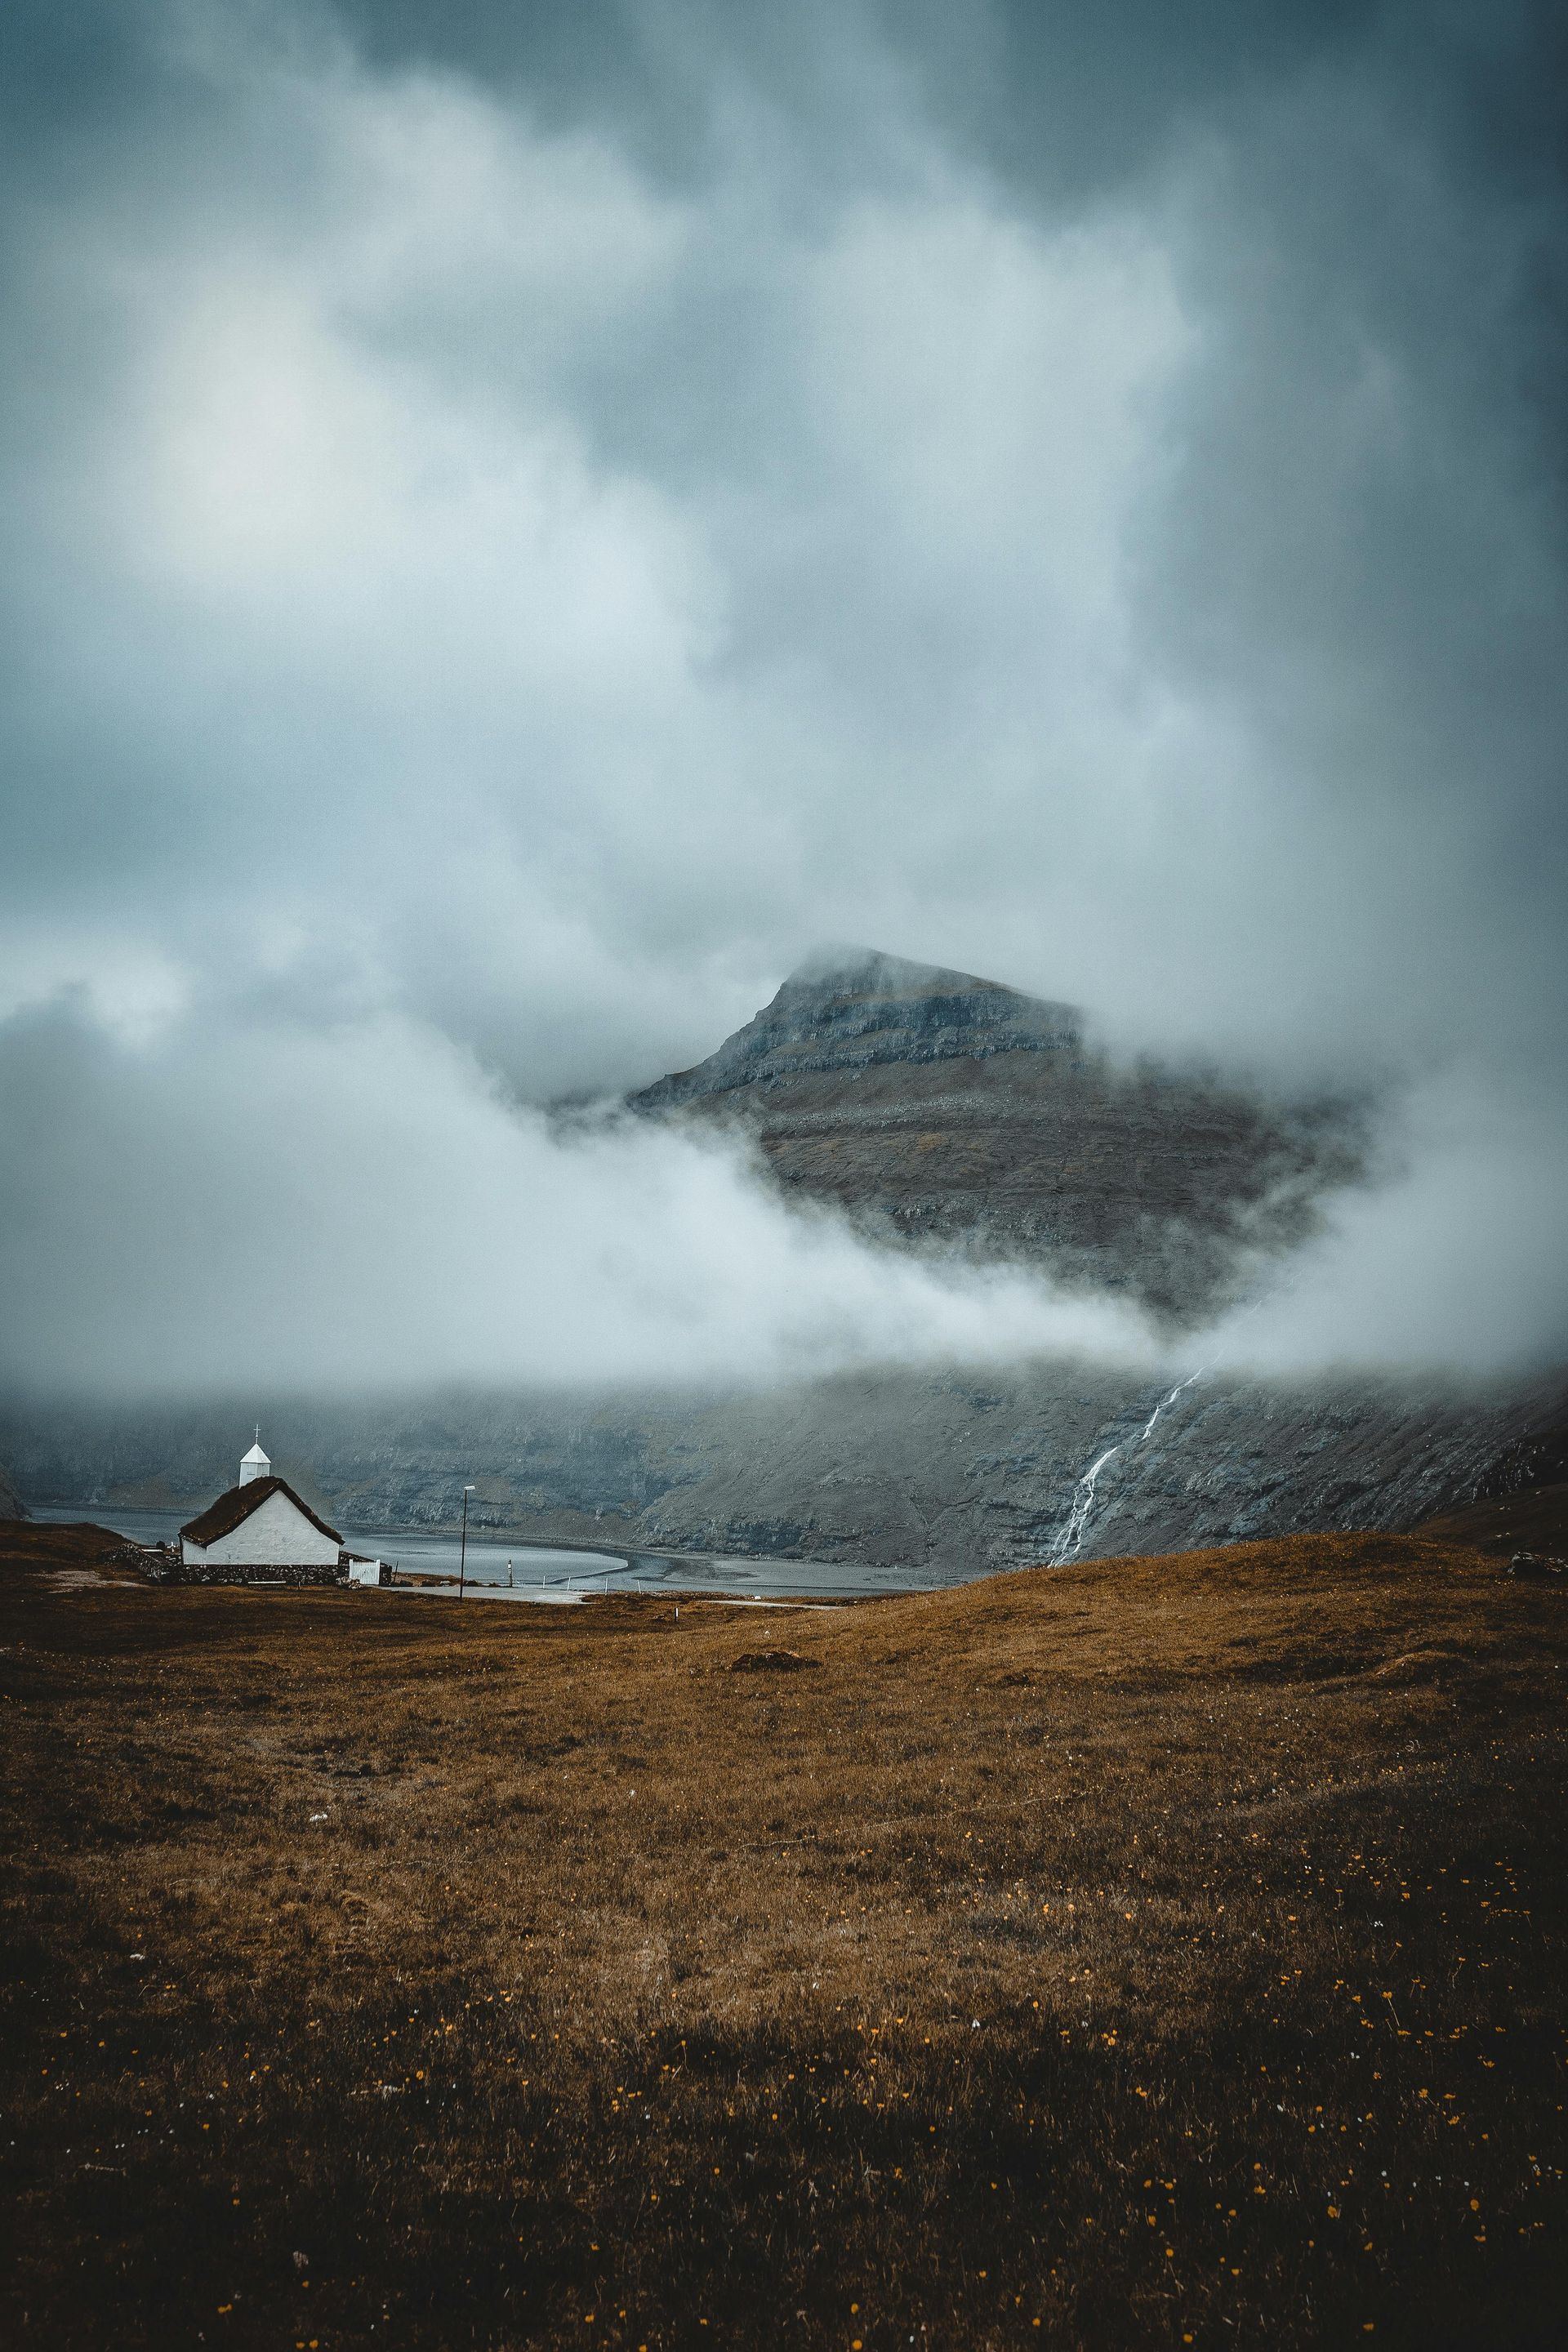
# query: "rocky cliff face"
[941,1112]
[944,1473]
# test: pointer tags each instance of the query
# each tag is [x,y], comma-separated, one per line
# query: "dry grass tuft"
[1144,1953]
[774,1661]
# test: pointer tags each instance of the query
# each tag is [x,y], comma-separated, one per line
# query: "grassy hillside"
[1156,1952]
[1534,1520]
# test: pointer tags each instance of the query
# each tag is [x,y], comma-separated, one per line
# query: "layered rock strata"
[945,1112]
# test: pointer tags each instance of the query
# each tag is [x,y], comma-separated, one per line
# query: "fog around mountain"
[522,521]
[374,1211]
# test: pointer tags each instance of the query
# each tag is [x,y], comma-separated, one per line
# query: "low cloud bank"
[361,1208]
[357,1206]
[1455,1260]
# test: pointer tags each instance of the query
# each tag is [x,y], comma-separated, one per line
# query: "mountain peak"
[853,1008]
[845,970]
[941,1110]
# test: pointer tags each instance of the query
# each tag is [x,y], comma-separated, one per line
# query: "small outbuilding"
[261,1531]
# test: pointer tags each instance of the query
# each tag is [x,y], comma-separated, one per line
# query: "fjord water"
[512,1570]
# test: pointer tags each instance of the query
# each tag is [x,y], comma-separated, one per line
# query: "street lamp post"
[463,1548]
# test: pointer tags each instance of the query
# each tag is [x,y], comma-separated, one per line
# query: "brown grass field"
[1150,1953]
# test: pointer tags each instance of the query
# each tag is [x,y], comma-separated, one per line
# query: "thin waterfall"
[1084,1492]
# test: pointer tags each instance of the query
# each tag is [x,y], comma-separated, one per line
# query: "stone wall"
[169,1568]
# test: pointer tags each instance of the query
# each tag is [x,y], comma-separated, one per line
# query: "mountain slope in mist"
[948,1474]
[945,1111]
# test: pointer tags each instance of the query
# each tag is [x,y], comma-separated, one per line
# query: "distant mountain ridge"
[853,1008]
[952,1473]
[943,1111]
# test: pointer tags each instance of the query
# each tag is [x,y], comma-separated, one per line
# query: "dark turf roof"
[231,1510]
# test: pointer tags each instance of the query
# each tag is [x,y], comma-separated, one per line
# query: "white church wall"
[274,1535]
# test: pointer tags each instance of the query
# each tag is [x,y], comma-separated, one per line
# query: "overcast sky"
[523,519]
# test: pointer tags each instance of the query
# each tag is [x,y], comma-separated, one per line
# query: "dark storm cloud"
[523,519]
[1359,551]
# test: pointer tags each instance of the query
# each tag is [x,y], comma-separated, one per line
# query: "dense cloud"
[522,520]
[359,1210]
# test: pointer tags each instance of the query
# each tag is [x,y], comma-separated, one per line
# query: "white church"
[261,1531]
